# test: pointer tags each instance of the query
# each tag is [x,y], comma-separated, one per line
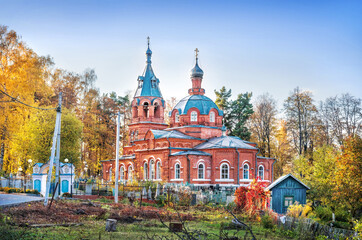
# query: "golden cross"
[196,52]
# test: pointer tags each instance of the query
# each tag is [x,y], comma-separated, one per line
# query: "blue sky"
[254,46]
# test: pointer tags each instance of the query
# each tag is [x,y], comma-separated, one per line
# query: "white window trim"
[261,166]
[201,180]
[145,171]
[176,170]
[221,171]
[192,115]
[203,170]
[176,180]
[212,117]
[224,180]
[177,117]
[248,171]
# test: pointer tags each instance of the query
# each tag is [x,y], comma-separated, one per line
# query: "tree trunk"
[2,153]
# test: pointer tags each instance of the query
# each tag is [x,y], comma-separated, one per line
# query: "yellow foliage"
[299,210]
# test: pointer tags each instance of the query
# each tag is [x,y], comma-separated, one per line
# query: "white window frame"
[158,170]
[177,117]
[261,167]
[203,171]
[212,117]
[110,174]
[130,169]
[228,171]
[193,117]
[121,173]
[248,169]
[145,171]
[152,169]
[177,168]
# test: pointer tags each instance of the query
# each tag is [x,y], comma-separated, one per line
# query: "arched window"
[261,172]
[157,111]
[145,171]
[158,170]
[130,172]
[110,174]
[177,171]
[201,171]
[136,135]
[193,116]
[132,136]
[212,117]
[224,171]
[246,171]
[152,169]
[177,117]
[121,173]
[145,109]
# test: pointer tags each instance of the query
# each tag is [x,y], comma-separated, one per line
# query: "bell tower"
[148,104]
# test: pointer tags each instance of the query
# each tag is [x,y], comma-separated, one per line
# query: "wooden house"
[285,191]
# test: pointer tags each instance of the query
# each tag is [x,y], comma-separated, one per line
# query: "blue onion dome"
[201,102]
[197,71]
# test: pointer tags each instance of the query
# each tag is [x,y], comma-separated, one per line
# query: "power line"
[16,100]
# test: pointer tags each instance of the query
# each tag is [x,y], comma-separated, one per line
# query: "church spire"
[148,52]
[196,77]
[148,84]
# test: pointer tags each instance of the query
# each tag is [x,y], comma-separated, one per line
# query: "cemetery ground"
[85,219]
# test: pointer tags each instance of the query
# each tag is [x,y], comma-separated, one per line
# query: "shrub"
[184,195]
[32,191]
[267,221]
[66,195]
[299,210]
[342,215]
[253,198]
[324,213]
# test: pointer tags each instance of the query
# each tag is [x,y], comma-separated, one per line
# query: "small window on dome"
[194,116]
[177,117]
[212,117]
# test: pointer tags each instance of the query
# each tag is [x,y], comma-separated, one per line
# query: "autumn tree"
[301,119]
[35,137]
[348,177]
[170,104]
[23,76]
[263,123]
[282,150]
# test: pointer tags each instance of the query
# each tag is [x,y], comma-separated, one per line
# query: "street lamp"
[71,177]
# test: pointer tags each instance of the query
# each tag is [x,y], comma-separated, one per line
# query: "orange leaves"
[252,198]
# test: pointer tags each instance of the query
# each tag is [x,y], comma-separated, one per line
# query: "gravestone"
[149,193]
[193,199]
[111,225]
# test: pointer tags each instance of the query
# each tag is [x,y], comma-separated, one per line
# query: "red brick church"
[193,148]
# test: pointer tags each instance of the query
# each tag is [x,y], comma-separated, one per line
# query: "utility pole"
[51,161]
[57,167]
[117,159]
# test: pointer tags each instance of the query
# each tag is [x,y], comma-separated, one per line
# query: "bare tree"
[342,117]
[263,122]
[301,119]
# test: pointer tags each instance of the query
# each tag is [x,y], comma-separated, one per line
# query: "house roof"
[282,178]
[191,152]
[225,142]
[170,134]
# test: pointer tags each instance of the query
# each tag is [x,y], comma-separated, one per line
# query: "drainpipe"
[256,163]
[238,180]
[169,154]
[272,177]
[188,168]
